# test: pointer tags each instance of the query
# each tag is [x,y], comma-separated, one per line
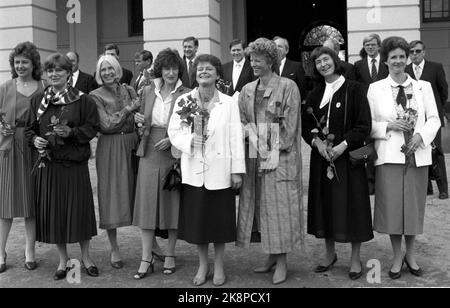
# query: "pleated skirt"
[154,207]
[64,203]
[400,199]
[15,180]
[116,172]
[207,216]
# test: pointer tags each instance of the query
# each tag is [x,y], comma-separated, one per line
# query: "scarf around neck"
[63,98]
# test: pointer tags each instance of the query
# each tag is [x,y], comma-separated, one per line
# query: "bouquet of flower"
[52,138]
[224,86]
[322,129]
[193,116]
[410,116]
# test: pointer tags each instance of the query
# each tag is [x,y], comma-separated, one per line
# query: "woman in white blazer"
[212,163]
[403,144]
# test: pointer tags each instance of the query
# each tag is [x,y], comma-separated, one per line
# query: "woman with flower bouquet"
[115,157]
[60,124]
[270,205]
[337,121]
[157,208]
[405,122]
[15,154]
[206,127]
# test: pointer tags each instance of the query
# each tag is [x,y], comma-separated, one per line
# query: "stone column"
[385,17]
[168,22]
[26,20]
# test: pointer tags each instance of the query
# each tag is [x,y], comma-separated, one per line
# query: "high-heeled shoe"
[116,264]
[158,257]
[31,265]
[396,275]
[416,272]
[199,281]
[91,270]
[169,270]
[151,266]
[265,269]
[61,274]
[3,265]
[356,275]
[322,268]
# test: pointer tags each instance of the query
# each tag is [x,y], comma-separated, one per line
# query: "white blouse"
[161,107]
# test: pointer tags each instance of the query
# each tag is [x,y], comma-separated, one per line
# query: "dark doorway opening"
[294,20]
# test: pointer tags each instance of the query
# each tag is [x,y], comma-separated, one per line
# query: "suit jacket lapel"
[365,69]
[244,74]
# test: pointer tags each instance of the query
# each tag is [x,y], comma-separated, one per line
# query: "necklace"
[23,83]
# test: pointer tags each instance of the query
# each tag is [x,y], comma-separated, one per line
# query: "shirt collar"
[159,82]
[421,64]
[395,84]
[377,58]
[240,63]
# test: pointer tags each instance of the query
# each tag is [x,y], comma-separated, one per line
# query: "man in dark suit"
[143,61]
[80,80]
[334,45]
[290,69]
[239,71]
[422,69]
[368,70]
[190,48]
[113,50]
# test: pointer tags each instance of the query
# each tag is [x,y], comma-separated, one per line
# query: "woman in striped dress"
[15,154]
[270,207]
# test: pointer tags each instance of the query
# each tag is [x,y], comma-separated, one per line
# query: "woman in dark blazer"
[338,197]
[156,208]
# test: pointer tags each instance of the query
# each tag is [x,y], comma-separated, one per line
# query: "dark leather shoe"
[395,275]
[3,266]
[443,196]
[91,271]
[117,264]
[416,272]
[322,268]
[60,274]
[356,275]
[31,266]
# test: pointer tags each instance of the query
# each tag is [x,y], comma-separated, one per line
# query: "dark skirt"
[339,210]
[207,216]
[64,204]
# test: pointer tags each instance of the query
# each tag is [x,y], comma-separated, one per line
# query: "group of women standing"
[253,144]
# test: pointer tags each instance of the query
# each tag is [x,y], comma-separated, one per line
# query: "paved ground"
[433,248]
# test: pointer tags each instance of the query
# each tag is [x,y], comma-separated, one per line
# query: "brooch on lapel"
[338,105]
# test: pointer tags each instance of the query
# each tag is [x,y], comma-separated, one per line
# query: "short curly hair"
[266,48]
[213,60]
[391,43]
[168,58]
[29,51]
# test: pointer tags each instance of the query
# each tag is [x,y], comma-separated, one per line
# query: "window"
[435,10]
[315,38]
[135,18]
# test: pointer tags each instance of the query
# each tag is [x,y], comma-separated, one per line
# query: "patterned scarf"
[66,97]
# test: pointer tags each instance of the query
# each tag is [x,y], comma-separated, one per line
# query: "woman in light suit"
[211,166]
[404,152]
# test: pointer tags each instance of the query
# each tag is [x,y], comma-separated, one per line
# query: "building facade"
[87,25]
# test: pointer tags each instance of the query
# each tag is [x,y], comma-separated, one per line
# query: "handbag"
[363,155]
[172,180]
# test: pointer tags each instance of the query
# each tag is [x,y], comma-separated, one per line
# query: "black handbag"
[172,180]
[363,155]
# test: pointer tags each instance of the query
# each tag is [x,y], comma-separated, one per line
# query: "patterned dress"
[270,207]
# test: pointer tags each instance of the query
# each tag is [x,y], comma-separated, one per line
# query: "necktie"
[374,73]
[190,71]
[138,81]
[401,97]
[418,72]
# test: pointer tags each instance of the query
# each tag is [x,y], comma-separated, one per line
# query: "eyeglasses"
[416,51]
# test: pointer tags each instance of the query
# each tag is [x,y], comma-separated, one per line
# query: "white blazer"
[382,105]
[223,153]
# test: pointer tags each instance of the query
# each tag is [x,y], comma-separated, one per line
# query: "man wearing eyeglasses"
[422,69]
